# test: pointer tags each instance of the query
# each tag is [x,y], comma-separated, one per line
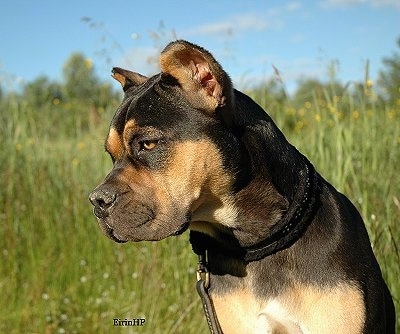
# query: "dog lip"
[114,238]
[182,229]
[111,235]
[100,213]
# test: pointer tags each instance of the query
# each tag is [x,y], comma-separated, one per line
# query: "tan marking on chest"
[303,309]
[339,309]
[237,312]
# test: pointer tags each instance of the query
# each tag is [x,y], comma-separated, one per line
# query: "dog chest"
[302,309]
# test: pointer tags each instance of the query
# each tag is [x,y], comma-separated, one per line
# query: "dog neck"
[282,235]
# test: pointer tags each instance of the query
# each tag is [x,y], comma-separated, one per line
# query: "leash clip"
[202,286]
[202,272]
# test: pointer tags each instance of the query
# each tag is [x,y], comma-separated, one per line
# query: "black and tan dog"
[287,253]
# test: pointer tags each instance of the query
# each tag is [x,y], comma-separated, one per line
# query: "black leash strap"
[202,286]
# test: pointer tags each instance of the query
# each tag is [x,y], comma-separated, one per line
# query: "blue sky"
[300,38]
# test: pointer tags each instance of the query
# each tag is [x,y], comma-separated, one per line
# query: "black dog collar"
[284,234]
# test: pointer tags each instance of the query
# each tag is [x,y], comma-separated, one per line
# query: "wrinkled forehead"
[158,102]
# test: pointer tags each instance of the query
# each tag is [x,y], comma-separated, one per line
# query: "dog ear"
[205,83]
[126,78]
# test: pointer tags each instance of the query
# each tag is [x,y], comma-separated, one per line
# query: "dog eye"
[147,145]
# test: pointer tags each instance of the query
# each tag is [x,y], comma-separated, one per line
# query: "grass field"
[59,274]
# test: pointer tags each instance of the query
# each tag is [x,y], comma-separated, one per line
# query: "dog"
[286,252]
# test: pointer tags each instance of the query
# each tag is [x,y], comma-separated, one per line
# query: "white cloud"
[297,38]
[235,24]
[340,3]
[293,6]
[381,3]
[273,18]
[347,3]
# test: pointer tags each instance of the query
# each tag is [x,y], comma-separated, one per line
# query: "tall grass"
[59,274]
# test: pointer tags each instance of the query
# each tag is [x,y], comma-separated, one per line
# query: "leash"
[202,286]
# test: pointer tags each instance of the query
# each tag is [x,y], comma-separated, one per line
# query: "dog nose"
[102,199]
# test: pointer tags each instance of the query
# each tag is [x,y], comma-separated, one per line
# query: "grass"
[59,274]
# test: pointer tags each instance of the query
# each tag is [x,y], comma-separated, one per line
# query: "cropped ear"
[126,78]
[205,83]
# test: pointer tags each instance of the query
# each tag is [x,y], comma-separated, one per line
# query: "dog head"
[175,159]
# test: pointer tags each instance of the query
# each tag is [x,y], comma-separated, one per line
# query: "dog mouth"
[144,227]
[182,229]
[102,216]
[110,233]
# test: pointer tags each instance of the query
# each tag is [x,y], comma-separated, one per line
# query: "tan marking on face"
[192,183]
[130,125]
[196,179]
[114,144]
[129,128]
